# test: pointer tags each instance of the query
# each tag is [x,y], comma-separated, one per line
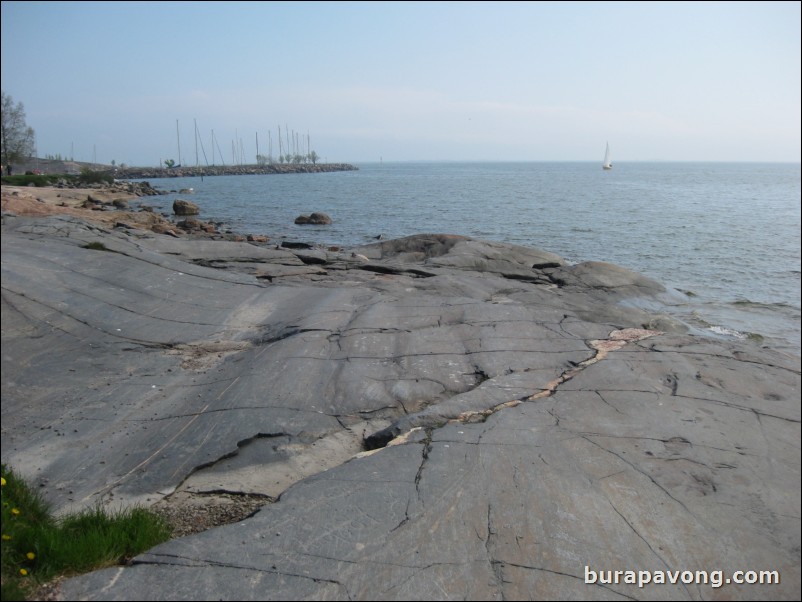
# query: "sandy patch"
[39,202]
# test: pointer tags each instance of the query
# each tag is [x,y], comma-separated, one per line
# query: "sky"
[407,81]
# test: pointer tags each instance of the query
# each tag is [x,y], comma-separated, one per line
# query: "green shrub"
[89,176]
[96,246]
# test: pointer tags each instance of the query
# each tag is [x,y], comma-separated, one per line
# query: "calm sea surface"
[727,235]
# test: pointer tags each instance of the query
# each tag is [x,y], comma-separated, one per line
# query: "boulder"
[320,219]
[164,228]
[190,224]
[182,207]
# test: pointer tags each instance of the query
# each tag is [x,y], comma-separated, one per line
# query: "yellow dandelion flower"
[2,481]
[23,572]
[30,555]
[6,537]
[15,511]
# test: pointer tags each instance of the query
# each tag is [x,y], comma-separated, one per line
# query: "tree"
[15,135]
[313,157]
[168,163]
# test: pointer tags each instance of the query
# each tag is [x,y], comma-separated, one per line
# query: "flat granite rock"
[430,418]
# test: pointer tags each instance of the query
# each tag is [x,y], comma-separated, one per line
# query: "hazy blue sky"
[715,81]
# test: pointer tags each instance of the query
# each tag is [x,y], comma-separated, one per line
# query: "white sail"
[608,162]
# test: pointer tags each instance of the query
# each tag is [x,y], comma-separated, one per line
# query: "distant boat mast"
[178,138]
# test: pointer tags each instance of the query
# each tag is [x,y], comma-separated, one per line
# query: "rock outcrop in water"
[428,418]
[315,219]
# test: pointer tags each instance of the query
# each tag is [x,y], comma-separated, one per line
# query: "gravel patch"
[192,513]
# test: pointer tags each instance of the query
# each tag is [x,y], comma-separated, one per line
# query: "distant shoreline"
[57,166]
[135,173]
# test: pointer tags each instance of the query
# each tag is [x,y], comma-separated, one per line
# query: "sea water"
[727,235]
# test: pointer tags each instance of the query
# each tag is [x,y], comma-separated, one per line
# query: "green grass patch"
[36,180]
[37,547]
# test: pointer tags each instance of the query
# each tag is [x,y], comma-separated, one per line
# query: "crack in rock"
[267,464]
[616,340]
[427,447]
[198,357]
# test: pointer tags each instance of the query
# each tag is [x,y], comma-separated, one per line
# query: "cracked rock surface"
[428,418]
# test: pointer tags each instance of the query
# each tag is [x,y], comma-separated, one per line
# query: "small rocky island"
[434,417]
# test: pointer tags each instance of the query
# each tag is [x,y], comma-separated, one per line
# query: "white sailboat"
[608,162]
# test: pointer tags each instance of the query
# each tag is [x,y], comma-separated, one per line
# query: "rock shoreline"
[434,417]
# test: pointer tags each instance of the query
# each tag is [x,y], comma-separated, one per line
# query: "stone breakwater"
[134,189]
[231,170]
[434,417]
